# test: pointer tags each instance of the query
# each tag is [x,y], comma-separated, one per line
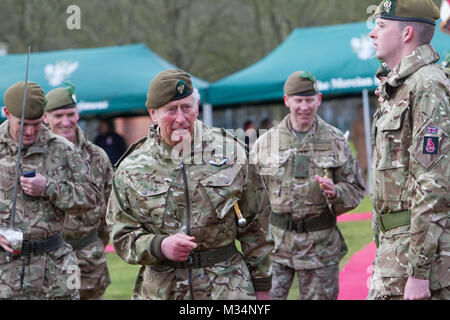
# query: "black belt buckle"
[301,226]
[37,247]
[289,225]
[190,259]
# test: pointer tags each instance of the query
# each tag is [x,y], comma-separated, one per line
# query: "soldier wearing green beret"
[411,169]
[312,177]
[172,208]
[43,266]
[86,232]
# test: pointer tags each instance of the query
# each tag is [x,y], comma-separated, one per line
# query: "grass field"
[357,234]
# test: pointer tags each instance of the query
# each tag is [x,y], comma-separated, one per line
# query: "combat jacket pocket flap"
[148,188]
[392,120]
[222,178]
[329,161]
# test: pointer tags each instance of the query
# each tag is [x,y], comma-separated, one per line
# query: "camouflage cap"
[301,83]
[382,71]
[168,85]
[35,100]
[61,98]
[409,10]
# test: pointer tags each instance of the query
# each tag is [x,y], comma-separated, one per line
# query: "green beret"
[35,100]
[409,10]
[382,71]
[301,83]
[61,98]
[168,85]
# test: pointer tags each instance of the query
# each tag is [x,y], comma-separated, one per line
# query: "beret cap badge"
[387,6]
[180,86]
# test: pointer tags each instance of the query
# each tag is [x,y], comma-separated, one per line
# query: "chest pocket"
[392,135]
[223,188]
[149,199]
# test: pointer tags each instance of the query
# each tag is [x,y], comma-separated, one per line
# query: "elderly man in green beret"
[312,177]
[172,208]
[410,182]
[44,266]
[86,232]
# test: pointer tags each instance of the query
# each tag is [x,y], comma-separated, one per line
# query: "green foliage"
[210,39]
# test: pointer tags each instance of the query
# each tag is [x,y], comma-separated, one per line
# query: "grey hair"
[196,95]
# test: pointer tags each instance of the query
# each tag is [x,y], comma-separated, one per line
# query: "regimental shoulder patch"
[430,145]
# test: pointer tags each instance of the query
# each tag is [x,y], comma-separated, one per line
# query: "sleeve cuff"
[418,273]
[155,247]
[262,284]
[336,199]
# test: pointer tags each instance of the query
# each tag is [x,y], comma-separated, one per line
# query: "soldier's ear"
[153,115]
[45,119]
[408,33]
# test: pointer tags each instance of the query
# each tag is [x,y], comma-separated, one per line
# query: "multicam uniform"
[69,189]
[87,232]
[288,167]
[410,184]
[148,202]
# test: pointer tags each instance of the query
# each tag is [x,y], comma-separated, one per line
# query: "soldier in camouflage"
[173,214]
[86,232]
[312,177]
[46,267]
[410,181]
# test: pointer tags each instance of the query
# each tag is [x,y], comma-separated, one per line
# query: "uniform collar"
[162,150]
[422,56]
[40,145]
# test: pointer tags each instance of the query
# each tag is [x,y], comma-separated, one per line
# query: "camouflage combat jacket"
[148,203]
[69,189]
[411,171]
[323,151]
[92,258]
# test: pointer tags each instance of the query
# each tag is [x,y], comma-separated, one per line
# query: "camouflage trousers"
[315,284]
[94,272]
[50,276]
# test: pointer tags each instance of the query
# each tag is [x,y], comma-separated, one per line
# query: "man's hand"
[263,295]
[4,243]
[417,289]
[35,186]
[327,186]
[178,246]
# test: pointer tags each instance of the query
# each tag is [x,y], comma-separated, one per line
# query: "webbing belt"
[303,225]
[78,244]
[201,259]
[393,220]
[42,246]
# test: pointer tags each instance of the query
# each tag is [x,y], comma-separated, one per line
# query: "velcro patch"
[430,145]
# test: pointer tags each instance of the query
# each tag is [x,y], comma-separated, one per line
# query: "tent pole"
[365,97]
[207,114]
